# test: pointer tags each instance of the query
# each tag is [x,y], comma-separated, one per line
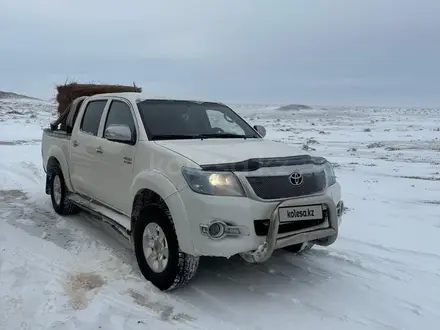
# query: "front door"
[117,160]
[85,158]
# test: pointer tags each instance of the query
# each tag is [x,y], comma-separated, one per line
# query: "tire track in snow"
[69,292]
[94,249]
[394,251]
[17,172]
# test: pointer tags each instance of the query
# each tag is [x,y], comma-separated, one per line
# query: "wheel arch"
[152,188]
[56,157]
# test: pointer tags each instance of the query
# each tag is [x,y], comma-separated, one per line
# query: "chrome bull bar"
[273,242]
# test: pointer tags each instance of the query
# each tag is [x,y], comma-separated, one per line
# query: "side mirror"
[261,130]
[118,133]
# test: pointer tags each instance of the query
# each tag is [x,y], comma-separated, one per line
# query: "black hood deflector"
[254,164]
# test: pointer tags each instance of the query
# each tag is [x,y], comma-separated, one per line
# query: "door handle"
[99,150]
[75,143]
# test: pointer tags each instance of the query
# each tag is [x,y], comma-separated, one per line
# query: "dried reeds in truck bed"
[68,92]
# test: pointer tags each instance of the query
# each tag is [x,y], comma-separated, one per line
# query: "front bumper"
[325,235]
[193,212]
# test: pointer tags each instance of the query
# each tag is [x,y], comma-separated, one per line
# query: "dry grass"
[70,91]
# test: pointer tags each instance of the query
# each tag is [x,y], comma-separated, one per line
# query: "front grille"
[275,187]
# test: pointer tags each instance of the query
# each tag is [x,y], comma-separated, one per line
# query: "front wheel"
[157,251]
[299,248]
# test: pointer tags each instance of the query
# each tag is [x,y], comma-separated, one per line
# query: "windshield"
[172,120]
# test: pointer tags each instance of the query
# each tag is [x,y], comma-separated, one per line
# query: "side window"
[119,113]
[219,121]
[92,116]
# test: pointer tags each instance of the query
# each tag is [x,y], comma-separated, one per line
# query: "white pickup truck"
[183,179]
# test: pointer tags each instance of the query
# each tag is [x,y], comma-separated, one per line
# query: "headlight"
[330,174]
[212,183]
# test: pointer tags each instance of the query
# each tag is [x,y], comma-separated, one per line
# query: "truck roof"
[138,97]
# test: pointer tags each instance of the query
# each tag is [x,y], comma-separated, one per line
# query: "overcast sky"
[364,52]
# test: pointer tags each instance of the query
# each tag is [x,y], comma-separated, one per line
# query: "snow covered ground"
[382,273]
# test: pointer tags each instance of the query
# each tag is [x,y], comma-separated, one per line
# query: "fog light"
[216,230]
[219,229]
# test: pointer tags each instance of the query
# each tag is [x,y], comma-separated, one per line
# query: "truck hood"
[217,151]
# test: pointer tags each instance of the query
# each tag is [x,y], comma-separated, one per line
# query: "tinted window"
[184,119]
[92,116]
[120,113]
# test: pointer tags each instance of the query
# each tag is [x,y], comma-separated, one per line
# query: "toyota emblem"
[296,179]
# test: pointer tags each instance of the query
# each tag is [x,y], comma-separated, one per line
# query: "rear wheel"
[58,193]
[157,251]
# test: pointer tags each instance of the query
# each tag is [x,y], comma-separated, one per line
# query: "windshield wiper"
[199,136]
[174,136]
[225,136]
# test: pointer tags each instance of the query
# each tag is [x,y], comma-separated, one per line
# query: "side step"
[120,222]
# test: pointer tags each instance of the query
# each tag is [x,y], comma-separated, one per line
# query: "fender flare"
[161,185]
[57,153]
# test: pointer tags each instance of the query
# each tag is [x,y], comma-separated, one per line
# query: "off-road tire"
[299,248]
[65,207]
[181,267]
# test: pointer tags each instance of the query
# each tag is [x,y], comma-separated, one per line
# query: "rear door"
[85,162]
[117,159]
